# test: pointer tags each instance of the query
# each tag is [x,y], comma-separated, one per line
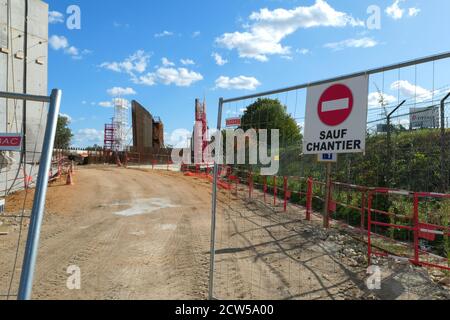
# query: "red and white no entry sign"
[336,117]
[335,105]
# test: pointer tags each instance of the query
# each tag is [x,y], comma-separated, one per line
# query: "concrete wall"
[142,127]
[148,132]
[13,39]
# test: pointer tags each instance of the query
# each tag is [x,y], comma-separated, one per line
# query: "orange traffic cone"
[69,179]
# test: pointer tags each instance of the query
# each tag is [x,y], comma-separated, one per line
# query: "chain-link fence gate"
[24,176]
[261,247]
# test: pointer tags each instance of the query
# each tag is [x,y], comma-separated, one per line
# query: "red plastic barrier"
[420,229]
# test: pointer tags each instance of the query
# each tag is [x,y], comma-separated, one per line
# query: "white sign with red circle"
[336,117]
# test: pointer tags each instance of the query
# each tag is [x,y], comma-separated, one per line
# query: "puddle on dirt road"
[168,227]
[143,206]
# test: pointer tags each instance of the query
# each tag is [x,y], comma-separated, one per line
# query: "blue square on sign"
[328,156]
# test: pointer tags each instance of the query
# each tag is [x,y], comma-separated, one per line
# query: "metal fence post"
[37,213]
[416,230]
[214,204]
[309,199]
[326,210]
[444,172]
[369,229]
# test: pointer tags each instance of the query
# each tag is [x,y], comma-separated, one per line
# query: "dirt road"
[133,234]
[138,234]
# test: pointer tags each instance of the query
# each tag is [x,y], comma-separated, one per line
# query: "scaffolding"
[116,132]
[120,123]
[109,141]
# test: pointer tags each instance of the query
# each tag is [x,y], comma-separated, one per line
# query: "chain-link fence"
[261,247]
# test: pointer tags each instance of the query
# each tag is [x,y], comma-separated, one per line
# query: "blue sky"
[166,53]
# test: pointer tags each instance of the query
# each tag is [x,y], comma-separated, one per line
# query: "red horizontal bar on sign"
[389,225]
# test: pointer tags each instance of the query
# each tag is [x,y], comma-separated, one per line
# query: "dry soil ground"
[139,234]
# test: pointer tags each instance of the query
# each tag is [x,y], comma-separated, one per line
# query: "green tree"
[64,134]
[271,114]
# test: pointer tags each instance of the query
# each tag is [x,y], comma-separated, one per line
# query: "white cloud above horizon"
[179,138]
[180,77]
[237,83]
[187,62]
[220,61]
[88,137]
[352,43]
[396,12]
[58,43]
[55,17]
[167,63]
[268,28]
[119,91]
[106,104]
[163,34]
[135,63]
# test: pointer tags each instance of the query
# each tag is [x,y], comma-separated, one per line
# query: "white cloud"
[303,51]
[394,11]
[61,43]
[72,51]
[65,115]
[187,62]
[120,25]
[105,104]
[412,12]
[148,79]
[85,137]
[238,83]
[135,63]
[179,138]
[163,34]
[180,77]
[352,43]
[55,17]
[268,28]
[196,34]
[375,99]
[167,63]
[408,90]
[219,60]
[119,91]
[58,42]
